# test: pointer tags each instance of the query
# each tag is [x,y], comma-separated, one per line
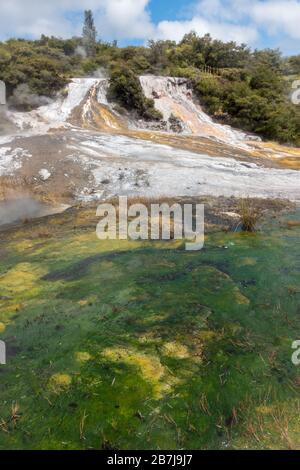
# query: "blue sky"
[259,23]
[169,9]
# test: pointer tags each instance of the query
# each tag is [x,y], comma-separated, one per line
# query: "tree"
[125,88]
[89,32]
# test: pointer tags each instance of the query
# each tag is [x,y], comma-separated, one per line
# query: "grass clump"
[249,216]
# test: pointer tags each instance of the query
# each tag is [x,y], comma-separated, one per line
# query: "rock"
[176,125]
[44,174]
[155,95]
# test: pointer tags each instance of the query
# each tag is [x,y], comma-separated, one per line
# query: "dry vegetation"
[249,215]
[12,186]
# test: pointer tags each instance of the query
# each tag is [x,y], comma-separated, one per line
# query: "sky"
[258,23]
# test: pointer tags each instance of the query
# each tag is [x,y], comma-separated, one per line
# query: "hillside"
[240,87]
[81,147]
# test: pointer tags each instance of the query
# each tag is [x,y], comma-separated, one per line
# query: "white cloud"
[224,11]
[33,17]
[114,18]
[223,19]
[281,16]
[125,19]
[240,20]
[176,29]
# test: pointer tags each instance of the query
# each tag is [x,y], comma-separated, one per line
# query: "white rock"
[44,174]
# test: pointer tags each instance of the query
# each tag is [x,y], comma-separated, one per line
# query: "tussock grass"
[249,215]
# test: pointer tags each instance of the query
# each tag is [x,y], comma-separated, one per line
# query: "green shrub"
[41,69]
[250,91]
[126,90]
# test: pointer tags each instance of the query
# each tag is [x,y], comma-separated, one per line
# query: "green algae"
[155,346]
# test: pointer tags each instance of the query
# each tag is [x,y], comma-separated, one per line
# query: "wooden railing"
[207,69]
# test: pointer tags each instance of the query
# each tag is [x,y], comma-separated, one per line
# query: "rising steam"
[23,98]
[13,210]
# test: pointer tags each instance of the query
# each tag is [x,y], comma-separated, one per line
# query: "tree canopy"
[251,89]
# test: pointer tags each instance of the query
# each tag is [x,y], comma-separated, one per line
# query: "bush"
[250,91]
[29,65]
[254,101]
[126,90]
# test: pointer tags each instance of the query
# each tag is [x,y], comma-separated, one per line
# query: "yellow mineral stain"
[287,157]
[12,308]
[99,116]
[150,337]
[176,350]
[2,327]
[88,301]
[23,277]
[240,298]
[294,223]
[265,410]
[153,317]
[23,246]
[83,357]
[291,162]
[148,365]
[57,221]
[60,382]
[106,119]
[207,335]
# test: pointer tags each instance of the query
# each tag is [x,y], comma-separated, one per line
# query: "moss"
[158,347]
[175,349]
[59,382]
[83,357]
[149,366]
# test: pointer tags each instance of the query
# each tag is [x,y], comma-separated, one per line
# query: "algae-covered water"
[131,345]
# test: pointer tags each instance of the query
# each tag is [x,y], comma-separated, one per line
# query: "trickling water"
[95,145]
[172,96]
[175,96]
[57,113]
[103,85]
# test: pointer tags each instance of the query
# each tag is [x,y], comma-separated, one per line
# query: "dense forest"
[247,89]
